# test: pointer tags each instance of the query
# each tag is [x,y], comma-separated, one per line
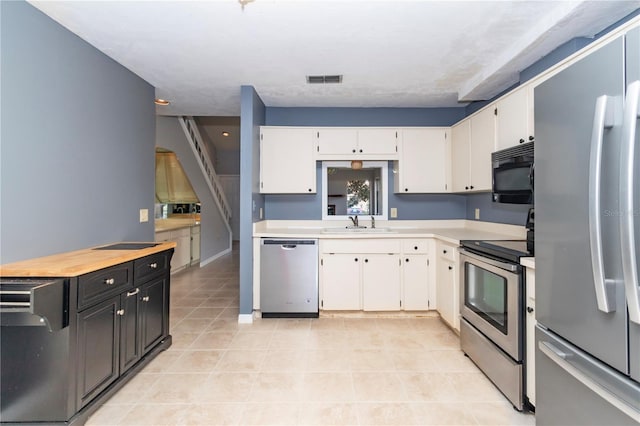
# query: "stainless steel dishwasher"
[289,277]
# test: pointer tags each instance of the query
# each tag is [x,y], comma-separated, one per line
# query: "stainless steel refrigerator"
[587,200]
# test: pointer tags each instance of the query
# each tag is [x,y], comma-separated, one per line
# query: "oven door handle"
[604,288]
[502,265]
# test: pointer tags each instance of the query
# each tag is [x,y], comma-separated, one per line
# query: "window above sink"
[354,192]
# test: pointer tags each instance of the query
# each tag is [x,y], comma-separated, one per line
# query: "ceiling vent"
[324,79]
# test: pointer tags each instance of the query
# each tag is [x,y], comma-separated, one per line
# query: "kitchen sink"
[127,246]
[362,230]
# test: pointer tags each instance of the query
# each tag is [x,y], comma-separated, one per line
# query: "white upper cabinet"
[460,137]
[424,161]
[349,143]
[483,136]
[514,120]
[287,160]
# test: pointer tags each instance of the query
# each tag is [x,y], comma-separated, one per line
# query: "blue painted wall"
[514,214]
[252,116]
[77,141]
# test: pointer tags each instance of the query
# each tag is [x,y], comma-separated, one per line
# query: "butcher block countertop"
[74,263]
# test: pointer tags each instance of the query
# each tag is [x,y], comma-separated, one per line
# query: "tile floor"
[326,371]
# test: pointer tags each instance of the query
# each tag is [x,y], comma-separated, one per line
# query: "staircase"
[199,150]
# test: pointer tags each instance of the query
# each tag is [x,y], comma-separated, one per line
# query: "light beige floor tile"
[109,415]
[385,414]
[324,387]
[291,339]
[176,388]
[182,340]
[365,339]
[328,360]
[250,341]
[261,325]
[371,360]
[427,387]
[442,414]
[226,387]
[500,414]
[328,324]
[242,361]
[161,362]
[474,387]
[320,339]
[205,312]
[221,414]
[328,414]
[441,340]
[213,340]
[260,414]
[191,325]
[285,360]
[196,362]
[223,324]
[186,302]
[135,390]
[452,360]
[277,387]
[378,387]
[150,414]
[415,360]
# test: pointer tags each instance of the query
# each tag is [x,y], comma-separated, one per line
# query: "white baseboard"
[245,319]
[217,256]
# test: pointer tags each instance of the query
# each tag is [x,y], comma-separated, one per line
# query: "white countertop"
[448,230]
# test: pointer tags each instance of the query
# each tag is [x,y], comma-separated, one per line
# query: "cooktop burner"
[511,250]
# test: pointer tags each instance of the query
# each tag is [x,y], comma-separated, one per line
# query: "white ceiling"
[391,53]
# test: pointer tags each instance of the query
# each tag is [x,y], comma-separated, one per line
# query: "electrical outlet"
[144,215]
[394,212]
[261,213]
[477,214]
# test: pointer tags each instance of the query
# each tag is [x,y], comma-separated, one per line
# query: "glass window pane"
[486,295]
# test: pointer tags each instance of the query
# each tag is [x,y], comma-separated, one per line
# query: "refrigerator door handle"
[561,359]
[605,288]
[627,225]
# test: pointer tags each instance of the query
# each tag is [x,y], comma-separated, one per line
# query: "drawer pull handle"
[110,281]
[415,248]
[450,267]
[153,265]
[133,293]
[145,299]
[120,312]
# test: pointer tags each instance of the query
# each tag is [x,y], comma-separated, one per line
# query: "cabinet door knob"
[120,312]
[521,140]
[406,189]
[360,150]
[471,187]
[531,138]
[406,260]
[110,281]
[145,299]
[356,259]
[153,265]
[366,261]
[529,309]
[353,150]
[309,189]
[415,247]
[450,267]
[444,251]
[466,187]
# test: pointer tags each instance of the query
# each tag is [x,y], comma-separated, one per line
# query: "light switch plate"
[394,212]
[144,215]
[477,214]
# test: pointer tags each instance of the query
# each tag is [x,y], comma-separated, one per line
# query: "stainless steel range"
[491,303]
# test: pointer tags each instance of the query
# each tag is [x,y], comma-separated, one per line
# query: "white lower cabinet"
[195,245]
[182,253]
[447,291]
[377,275]
[381,282]
[340,282]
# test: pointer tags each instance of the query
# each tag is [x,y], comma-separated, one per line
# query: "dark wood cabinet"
[98,347]
[154,322]
[130,343]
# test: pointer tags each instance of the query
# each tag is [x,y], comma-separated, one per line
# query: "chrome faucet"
[354,220]
[373,222]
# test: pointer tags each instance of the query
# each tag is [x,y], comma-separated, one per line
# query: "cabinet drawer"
[151,266]
[448,252]
[415,246]
[96,286]
[360,246]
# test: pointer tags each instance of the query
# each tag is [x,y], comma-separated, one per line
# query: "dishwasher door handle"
[288,246]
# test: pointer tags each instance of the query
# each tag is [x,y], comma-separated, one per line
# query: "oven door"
[490,300]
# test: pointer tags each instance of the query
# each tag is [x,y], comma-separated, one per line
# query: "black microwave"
[512,170]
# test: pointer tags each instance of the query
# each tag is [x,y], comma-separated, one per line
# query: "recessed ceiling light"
[162,102]
[225,134]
